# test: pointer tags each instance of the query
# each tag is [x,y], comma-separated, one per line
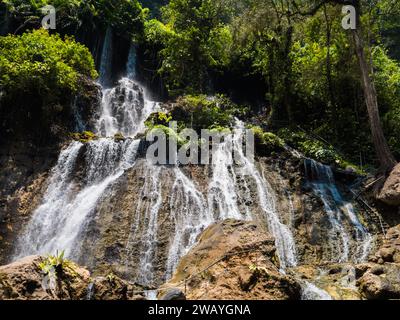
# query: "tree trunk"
[385,157]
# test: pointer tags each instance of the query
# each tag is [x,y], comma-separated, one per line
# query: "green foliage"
[39,62]
[193,40]
[196,112]
[158,118]
[88,136]
[387,82]
[125,16]
[266,142]
[54,263]
[202,112]
[310,147]
[170,134]
[315,149]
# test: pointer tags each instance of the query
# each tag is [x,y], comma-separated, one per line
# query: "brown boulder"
[390,193]
[380,282]
[25,280]
[233,260]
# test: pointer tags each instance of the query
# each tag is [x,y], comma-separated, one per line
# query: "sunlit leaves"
[36,61]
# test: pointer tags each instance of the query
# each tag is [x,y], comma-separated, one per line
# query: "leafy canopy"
[125,16]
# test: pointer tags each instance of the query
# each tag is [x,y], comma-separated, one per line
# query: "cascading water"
[312,292]
[346,229]
[190,214]
[284,239]
[190,210]
[106,59]
[59,221]
[131,65]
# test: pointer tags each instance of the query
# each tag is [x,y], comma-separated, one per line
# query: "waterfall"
[190,210]
[85,175]
[131,64]
[60,220]
[190,215]
[76,185]
[124,109]
[284,239]
[106,59]
[340,214]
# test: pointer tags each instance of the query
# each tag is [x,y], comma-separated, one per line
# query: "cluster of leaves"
[54,264]
[387,81]
[158,118]
[216,114]
[39,62]
[200,112]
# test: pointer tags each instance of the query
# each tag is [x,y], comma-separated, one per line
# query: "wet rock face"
[390,249]
[23,173]
[390,193]
[233,260]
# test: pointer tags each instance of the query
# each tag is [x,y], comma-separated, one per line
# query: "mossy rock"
[84,137]
[118,137]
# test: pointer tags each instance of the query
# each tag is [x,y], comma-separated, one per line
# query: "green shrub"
[41,63]
[158,118]
[266,142]
[170,134]
[203,112]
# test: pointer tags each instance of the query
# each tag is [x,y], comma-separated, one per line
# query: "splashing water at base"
[312,292]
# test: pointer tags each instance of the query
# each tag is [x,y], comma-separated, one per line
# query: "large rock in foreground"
[25,280]
[233,260]
[390,193]
[379,281]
